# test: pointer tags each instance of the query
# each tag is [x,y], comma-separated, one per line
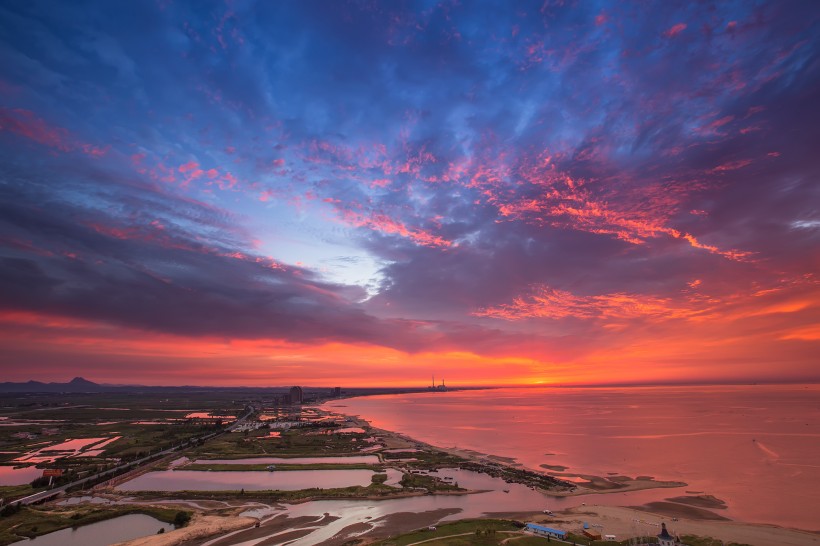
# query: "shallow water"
[102,533]
[755,447]
[18,476]
[291,480]
[354,459]
[519,499]
[65,449]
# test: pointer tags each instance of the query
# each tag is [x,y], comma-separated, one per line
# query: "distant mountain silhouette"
[78,384]
[81,385]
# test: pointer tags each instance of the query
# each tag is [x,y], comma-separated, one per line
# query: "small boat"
[506,490]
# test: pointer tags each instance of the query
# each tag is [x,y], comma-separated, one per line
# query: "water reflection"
[753,446]
[361,459]
[18,476]
[291,480]
[101,533]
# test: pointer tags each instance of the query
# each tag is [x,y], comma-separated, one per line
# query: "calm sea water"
[755,447]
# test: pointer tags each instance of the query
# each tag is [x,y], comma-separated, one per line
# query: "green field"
[444,532]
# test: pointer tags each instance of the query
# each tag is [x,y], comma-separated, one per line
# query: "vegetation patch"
[482,532]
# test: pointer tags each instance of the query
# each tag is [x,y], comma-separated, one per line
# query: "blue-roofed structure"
[546,531]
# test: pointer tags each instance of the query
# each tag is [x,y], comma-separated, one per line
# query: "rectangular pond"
[291,480]
[18,476]
[354,459]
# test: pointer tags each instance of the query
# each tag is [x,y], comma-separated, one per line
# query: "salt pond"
[67,448]
[292,480]
[356,459]
[18,476]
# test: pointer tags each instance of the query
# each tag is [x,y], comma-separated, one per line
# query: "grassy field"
[428,459]
[470,526]
[16,491]
[705,541]
[302,442]
[493,532]
[31,522]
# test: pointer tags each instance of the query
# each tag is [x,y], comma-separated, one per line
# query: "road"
[133,465]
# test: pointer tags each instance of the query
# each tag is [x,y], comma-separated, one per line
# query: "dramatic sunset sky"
[367,193]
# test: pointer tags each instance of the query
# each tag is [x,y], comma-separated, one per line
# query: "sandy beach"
[201,527]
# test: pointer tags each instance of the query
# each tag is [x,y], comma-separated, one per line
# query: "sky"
[365,193]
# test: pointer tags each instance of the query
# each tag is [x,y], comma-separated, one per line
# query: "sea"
[755,447]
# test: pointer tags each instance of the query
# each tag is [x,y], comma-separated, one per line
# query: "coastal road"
[133,465]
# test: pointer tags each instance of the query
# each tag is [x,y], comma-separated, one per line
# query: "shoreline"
[688,510]
[689,514]
[595,484]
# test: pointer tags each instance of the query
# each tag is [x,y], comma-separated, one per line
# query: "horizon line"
[693,383]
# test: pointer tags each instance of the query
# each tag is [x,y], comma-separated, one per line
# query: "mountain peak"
[81,381]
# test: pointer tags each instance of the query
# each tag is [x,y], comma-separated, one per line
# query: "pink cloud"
[385,224]
[689,304]
[732,165]
[26,124]
[674,30]
[546,196]
[380,183]
[546,302]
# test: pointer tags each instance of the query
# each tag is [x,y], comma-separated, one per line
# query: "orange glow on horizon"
[109,354]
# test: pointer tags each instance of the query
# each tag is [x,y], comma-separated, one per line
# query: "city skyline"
[364,193]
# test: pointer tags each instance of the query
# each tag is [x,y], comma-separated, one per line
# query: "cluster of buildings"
[297,395]
[34,435]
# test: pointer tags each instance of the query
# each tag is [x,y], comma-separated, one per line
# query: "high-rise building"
[296,395]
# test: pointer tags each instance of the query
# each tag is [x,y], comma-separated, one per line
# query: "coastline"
[594,485]
[690,514]
[216,523]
